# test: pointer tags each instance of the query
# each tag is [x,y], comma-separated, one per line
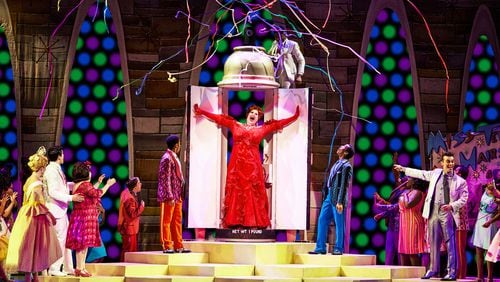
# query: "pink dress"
[411,225]
[33,244]
[83,230]
[493,253]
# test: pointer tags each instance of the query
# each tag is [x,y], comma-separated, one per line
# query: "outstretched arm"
[222,120]
[279,124]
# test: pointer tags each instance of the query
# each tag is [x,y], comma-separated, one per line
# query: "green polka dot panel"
[8,111]
[387,102]
[255,32]
[482,99]
[94,125]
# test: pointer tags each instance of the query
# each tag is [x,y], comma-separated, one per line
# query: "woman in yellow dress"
[36,246]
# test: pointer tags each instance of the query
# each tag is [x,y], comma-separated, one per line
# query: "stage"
[246,261]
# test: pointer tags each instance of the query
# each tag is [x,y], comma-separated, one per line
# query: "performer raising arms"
[245,203]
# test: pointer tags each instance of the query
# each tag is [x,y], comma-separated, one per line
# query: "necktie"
[446,189]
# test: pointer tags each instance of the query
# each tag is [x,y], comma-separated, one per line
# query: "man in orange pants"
[170,185]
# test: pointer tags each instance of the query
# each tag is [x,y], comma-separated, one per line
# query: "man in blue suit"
[335,202]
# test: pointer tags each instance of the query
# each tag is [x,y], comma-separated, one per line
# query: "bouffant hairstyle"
[255,107]
[54,152]
[420,184]
[81,172]
[132,182]
[38,160]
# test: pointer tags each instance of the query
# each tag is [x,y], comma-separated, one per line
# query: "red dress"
[83,229]
[245,202]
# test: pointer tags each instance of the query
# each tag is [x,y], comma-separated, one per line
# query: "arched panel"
[10,131]
[390,103]
[481,84]
[92,125]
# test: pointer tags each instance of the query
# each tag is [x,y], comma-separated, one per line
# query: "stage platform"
[245,261]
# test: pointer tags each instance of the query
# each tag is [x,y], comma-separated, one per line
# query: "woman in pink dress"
[411,223]
[33,244]
[83,229]
[245,202]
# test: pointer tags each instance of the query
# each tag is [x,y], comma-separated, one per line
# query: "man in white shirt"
[57,203]
[290,61]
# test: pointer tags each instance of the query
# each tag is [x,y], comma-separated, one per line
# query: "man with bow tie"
[447,194]
[57,203]
[170,185]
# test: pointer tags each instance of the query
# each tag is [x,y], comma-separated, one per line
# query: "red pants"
[129,244]
[171,225]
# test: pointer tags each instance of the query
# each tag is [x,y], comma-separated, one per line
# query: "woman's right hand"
[196,109]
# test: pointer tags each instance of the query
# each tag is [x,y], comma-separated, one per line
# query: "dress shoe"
[57,273]
[337,252]
[82,273]
[316,253]
[168,251]
[449,277]
[429,274]
[182,250]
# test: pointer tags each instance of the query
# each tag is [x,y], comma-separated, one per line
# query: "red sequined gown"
[245,202]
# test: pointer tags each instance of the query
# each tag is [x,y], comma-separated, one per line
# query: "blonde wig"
[38,160]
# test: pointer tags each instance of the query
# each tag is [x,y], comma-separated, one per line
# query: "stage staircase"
[212,261]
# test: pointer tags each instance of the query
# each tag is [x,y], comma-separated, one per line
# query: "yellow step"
[334,260]
[256,279]
[383,271]
[77,279]
[297,270]
[212,269]
[125,269]
[468,279]
[248,252]
[170,278]
[158,257]
[345,279]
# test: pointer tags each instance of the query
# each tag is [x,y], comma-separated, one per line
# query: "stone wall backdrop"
[152,33]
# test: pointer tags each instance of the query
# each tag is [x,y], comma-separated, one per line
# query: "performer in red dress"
[129,214]
[245,203]
[83,229]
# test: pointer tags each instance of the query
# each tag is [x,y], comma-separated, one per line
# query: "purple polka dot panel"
[225,35]
[8,111]
[238,104]
[94,126]
[387,102]
[482,99]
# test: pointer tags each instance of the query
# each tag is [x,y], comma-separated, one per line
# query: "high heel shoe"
[82,273]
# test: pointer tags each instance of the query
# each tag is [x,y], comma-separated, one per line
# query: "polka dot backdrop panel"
[254,33]
[482,99]
[8,121]
[387,101]
[94,126]
[238,103]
